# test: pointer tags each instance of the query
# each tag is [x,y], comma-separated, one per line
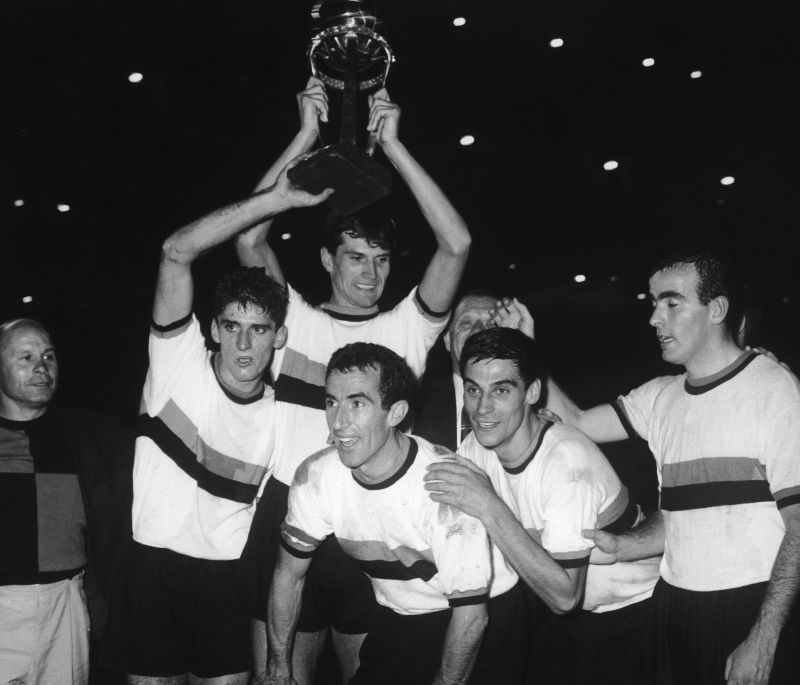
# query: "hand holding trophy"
[351,59]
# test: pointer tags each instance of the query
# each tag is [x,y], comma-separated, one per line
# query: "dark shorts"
[336,592]
[692,634]
[400,650]
[260,553]
[586,647]
[172,614]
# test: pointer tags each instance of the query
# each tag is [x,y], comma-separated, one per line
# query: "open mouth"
[346,442]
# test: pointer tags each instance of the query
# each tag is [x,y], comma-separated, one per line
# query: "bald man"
[49,507]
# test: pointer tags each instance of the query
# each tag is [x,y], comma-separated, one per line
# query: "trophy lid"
[346,29]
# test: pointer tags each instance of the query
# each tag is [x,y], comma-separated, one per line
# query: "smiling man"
[356,252]
[726,437]
[535,486]
[204,452]
[431,566]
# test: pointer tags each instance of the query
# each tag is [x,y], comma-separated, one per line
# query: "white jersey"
[421,556]
[201,455]
[565,486]
[728,456]
[409,329]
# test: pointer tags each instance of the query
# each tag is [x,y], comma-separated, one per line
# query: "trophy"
[350,58]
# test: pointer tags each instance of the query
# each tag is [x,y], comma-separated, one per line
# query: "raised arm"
[465,486]
[461,643]
[453,240]
[600,423]
[283,611]
[751,661]
[175,288]
[252,246]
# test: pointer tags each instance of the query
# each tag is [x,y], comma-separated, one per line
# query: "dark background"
[217,105]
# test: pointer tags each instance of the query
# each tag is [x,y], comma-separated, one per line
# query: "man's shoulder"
[312,468]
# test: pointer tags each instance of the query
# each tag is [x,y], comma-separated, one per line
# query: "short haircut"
[508,344]
[372,223]
[251,287]
[8,326]
[717,276]
[396,381]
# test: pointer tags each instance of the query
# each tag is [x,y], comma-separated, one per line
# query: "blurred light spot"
[512,266]
[19,203]
[785,300]
[405,253]
[613,279]
[459,21]
[62,208]
[610,165]
[579,278]
[467,140]
[27,299]
[641,296]
[696,74]
[286,236]
[556,42]
[727,180]
[648,62]
[135,77]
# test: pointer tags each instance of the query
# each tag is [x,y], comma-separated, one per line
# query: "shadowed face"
[247,337]
[28,371]
[358,272]
[470,316]
[683,325]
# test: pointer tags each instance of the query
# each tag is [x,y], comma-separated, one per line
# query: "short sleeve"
[781,449]
[636,408]
[175,355]
[308,518]
[460,548]
[571,503]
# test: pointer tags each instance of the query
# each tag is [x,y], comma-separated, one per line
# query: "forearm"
[461,644]
[282,613]
[784,583]
[561,590]
[449,228]
[191,241]
[644,541]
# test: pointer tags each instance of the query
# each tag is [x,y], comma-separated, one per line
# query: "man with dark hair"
[726,437]
[535,485]
[204,452]
[431,566]
[356,252]
[65,493]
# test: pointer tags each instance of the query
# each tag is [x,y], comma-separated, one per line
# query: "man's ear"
[326,258]
[718,307]
[397,412]
[280,337]
[534,392]
[447,340]
[214,330]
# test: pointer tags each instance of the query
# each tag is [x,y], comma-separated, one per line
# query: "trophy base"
[357,178]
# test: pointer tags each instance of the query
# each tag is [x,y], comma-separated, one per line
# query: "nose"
[485,404]
[41,366]
[369,269]
[655,318]
[243,340]
[337,421]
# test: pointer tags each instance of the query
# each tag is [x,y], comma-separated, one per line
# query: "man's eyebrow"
[502,381]
[666,294]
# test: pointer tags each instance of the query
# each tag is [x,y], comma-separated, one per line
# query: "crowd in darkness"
[298,494]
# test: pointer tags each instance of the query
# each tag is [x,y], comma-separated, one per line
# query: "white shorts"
[44,633]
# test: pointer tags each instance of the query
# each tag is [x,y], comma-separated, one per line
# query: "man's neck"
[713,361]
[349,309]
[386,462]
[15,412]
[519,447]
